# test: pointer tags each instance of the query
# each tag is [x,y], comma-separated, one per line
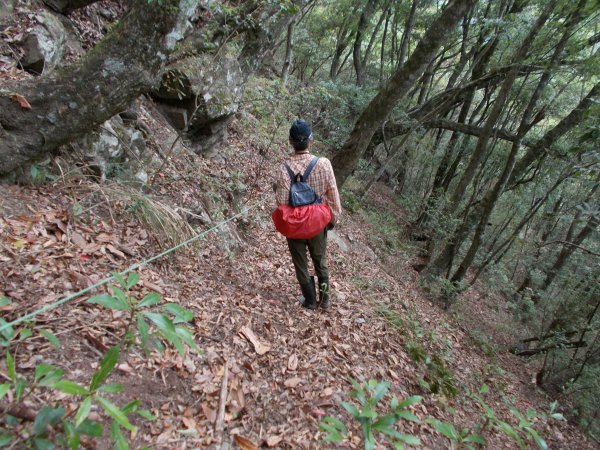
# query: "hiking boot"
[310,295]
[324,293]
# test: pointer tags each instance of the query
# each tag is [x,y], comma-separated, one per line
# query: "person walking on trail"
[324,206]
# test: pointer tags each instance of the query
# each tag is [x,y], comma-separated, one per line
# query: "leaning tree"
[39,115]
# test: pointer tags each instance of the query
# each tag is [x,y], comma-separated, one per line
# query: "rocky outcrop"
[199,95]
[6,9]
[115,150]
[45,45]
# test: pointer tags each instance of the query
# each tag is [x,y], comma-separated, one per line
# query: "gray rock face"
[116,151]
[45,45]
[6,9]
[200,95]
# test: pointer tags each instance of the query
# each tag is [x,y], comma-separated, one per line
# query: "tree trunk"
[379,109]
[383,39]
[288,53]
[566,252]
[363,24]
[568,122]
[410,23]
[341,43]
[515,232]
[71,102]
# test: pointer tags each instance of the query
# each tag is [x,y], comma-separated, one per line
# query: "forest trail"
[288,367]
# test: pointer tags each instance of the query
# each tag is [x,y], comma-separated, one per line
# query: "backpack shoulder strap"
[289,171]
[310,167]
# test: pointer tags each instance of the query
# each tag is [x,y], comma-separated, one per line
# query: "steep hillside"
[201,342]
[287,368]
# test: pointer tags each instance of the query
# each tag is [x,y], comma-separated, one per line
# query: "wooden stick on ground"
[219,423]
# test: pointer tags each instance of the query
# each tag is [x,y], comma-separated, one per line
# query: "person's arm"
[282,187]
[332,194]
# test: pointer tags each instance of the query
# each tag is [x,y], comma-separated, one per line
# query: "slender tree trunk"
[526,219]
[363,24]
[383,39]
[288,53]
[408,27]
[586,329]
[379,109]
[341,43]
[566,252]
[77,99]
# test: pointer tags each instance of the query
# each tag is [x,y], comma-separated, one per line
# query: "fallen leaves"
[244,443]
[259,347]
[293,363]
[292,382]
[274,441]
[20,100]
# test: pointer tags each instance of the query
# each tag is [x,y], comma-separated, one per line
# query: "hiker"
[318,217]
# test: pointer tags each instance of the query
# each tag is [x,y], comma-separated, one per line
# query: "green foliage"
[152,321]
[40,174]
[53,427]
[460,439]
[444,289]
[438,378]
[364,411]
[521,434]
[10,336]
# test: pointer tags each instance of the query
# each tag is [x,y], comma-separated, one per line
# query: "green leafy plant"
[438,377]
[152,321]
[8,334]
[367,397]
[459,439]
[521,433]
[54,427]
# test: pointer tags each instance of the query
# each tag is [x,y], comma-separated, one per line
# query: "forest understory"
[146,300]
[294,366]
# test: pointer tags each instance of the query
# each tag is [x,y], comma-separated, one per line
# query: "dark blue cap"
[300,134]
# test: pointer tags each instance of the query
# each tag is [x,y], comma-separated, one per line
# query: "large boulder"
[199,94]
[45,45]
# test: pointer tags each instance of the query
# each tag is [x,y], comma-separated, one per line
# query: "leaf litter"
[287,367]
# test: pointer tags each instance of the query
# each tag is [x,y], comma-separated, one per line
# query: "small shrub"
[364,411]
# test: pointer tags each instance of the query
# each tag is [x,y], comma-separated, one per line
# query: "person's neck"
[301,152]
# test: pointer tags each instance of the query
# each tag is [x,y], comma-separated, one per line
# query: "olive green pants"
[317,247]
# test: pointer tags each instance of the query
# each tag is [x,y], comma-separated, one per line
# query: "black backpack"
[301,193]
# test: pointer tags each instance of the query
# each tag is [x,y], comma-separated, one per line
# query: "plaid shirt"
[321,179]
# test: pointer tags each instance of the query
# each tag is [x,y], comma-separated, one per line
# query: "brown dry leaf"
[245,444]
[210,413]
[78,240]
[327,392]
[260,348]
[189,423]
[272,441]
[114,251]
[22,101]
[124,367]
[293,363]
[292,382]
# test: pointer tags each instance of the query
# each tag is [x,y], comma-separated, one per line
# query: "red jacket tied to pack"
[301,222]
